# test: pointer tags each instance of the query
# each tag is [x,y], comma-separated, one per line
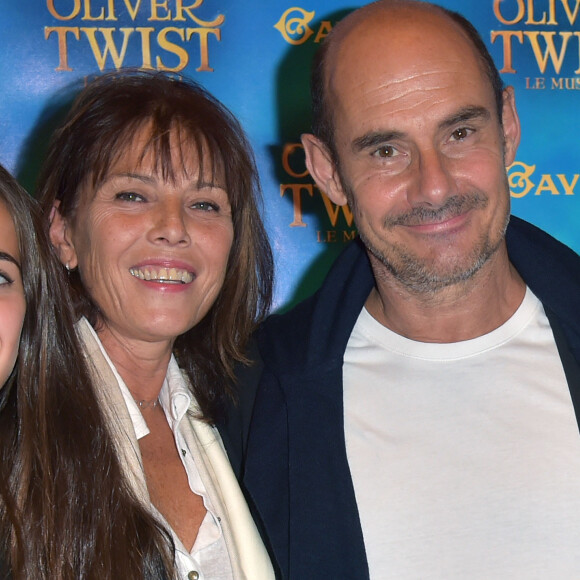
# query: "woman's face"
[12,302]
[151,253]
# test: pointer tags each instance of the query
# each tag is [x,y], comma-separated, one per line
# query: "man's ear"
[61,239]
[322,168]
[511,125]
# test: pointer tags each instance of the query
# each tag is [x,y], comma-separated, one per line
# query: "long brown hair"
[100,128]
[65,511]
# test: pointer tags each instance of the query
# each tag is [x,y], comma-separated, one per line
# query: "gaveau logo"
[172,33]
[523,182]
[294,26]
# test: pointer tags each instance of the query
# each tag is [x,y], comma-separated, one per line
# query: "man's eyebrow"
[473,113]
[375,139]
[4,256]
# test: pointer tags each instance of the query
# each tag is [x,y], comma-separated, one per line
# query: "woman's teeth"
[163,275]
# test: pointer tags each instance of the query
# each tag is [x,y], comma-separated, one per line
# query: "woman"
[12,302]
[42,404]
[150,187]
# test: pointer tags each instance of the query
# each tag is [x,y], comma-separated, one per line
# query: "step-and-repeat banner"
[255,55]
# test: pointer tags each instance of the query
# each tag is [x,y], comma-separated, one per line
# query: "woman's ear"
[61,239]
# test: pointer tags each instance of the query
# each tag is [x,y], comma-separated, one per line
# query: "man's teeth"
[165,275]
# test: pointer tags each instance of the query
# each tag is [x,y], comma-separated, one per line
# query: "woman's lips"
[162,275]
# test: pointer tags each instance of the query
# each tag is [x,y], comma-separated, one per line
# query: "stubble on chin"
[428,276]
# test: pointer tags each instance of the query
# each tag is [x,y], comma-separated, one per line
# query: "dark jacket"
[296,471]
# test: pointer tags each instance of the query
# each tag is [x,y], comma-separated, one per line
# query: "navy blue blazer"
[293,465]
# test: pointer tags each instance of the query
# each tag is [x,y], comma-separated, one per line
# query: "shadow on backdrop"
[294,118]
[35,146]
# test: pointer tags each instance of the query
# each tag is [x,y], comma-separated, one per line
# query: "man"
[415,417]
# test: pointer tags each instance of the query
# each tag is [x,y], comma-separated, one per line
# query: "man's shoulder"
[550,268]
[535,253]
[325,315]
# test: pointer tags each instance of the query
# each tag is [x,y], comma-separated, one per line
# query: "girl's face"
[12,302]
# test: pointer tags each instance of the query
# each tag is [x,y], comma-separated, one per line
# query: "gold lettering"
[571,15]
[348,236]
[542,59]
[203,45]
[296,189]
[133,10]
[519,175]
[507,35]
[155,4]
[500,17]
[325,29]
[327,237]
[547,184]
[180,9]
[568,187]
[531,20]
[75,11]
[110,48]
[287,152]
[146,46]
[61,32]
[169,46]
[334,210]
[111,12]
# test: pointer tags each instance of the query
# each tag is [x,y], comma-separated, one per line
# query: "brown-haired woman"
[151,190]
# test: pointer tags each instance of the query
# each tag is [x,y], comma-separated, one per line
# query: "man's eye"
[461,133]
[385,151]
[129,196]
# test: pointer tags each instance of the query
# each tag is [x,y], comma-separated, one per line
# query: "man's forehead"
[387,46]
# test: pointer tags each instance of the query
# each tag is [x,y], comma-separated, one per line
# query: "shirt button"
[183,452]
[193,575]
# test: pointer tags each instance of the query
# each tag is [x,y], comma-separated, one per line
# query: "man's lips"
[162,274]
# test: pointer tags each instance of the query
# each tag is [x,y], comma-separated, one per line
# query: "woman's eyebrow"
[9,258]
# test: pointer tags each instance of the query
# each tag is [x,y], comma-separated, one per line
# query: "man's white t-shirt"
[465,457]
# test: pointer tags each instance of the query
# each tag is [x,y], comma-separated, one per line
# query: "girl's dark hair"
[65,510]
[100,128]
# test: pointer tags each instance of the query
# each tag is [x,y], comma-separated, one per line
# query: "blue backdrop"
[255,57]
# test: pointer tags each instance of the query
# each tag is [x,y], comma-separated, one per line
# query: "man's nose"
[434,181]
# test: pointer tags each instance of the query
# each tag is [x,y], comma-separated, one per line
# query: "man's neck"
[455,313]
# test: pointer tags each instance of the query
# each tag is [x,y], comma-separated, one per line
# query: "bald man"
[416,416]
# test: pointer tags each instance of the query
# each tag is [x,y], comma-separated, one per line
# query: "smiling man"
[416,416]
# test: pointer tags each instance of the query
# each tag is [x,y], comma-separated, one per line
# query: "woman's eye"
[385,151]
[205,206]
[129,196]
[5,279]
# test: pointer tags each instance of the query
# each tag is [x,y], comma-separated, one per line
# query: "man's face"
[421,151]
